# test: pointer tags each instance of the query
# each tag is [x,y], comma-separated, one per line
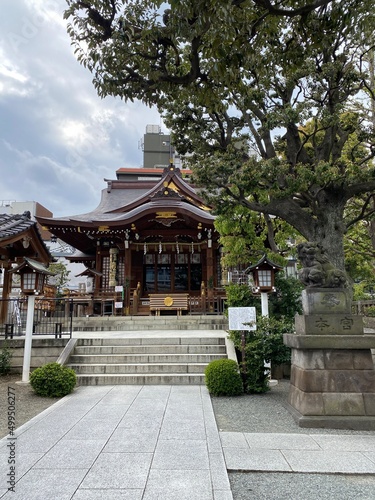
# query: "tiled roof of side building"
[11,225]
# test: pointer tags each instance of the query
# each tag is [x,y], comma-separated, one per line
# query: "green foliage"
[53,380]
[223,378]
[245,235]
[5,359]
[370,312]
[61,276]
[286,302]
[360,291]
[266,343]
[272,101]
[263,345]
[239,296]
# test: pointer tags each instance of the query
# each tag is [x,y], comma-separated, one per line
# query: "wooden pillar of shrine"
[7,287]
[127,278]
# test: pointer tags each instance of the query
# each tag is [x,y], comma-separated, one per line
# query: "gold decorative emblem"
[168,301]
[166,215]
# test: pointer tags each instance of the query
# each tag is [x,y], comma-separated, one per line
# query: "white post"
[264,302]
[28,339]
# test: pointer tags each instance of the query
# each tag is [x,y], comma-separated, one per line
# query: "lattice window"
[120,270]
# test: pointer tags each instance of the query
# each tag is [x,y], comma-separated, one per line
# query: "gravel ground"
[28,404]
[268,413]
[263,413]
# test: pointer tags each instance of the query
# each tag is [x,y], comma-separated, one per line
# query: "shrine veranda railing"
[55,316]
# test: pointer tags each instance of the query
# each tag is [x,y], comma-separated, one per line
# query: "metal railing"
[51,317]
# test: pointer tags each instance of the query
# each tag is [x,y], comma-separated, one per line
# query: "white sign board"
[119,288]
[118,305]
[240,315]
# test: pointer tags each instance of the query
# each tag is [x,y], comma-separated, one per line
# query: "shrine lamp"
[263,273]
[33,274]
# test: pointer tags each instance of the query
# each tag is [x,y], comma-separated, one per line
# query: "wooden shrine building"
[19,237]
[150,245]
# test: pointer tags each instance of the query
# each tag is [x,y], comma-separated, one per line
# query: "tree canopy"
[272,102]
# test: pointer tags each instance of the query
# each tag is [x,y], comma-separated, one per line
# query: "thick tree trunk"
[329,228]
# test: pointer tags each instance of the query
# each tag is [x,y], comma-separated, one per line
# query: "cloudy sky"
[58,139]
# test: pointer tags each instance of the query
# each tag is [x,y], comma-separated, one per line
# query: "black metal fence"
[51,317]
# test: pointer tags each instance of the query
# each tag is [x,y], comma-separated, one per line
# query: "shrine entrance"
[172,272]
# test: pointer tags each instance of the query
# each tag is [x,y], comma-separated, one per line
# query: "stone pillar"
[332,381]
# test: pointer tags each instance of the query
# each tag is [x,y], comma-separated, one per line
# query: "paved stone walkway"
[112,442]
[157,443]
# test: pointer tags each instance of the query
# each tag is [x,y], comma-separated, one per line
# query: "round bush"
[53,380]
[223,378]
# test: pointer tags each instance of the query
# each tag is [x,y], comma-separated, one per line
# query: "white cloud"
[58,139]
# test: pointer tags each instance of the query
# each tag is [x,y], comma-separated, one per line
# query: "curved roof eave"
[151,207]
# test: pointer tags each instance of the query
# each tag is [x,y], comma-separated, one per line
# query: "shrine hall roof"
[121,198]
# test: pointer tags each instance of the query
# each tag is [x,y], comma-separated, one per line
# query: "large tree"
[271,100]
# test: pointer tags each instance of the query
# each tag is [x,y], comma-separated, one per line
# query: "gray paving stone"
[219,476]
[42,484]
[223,495]
[119,471]
[123,394]
[370,455]
[182,429]
[108,413]
[24,462]
[329,462]
[345,443]
[34,441]
[108,494]
[255,460]
[233,440]
[148,405]
[96,430]
[132,420]
[155,392]
[69,454]
[132,440]
[178,485]
[184,411]
[281,441]
[179,455]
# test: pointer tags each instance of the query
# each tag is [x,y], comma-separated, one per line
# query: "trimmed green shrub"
[5,358]
[53,380]
[223,378]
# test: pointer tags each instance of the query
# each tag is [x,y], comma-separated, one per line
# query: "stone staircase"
[139,323]
[144,361]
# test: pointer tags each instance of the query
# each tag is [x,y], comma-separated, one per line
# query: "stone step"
[131,341]
[138,323]
[145,361]
[141,379]
[142,358]
[151,349]
[139,368]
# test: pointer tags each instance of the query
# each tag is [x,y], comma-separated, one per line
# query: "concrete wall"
[43,351]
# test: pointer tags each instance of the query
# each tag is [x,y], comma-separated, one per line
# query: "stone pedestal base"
[332,381]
